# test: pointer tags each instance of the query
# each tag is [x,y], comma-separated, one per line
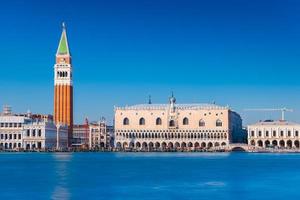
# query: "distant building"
[175,126]
[81,135]
[110,134]
[269,133]
[29,131]
[101,135]
[94,135]
[11,129]
[43,135]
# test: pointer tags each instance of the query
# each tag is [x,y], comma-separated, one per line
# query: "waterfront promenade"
[235,147]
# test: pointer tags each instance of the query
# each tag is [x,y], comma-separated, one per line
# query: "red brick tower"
[63,85]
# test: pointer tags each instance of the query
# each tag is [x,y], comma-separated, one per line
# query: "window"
[185,121]
[172,123]
[158,121]
[252,133]
[289,133]
[39,132]
[28,133]
[33,133]
[281,133]
[142,121]
[19,137]
[126,121]
[296,133]
[274,133]
[219,123]
[201,122]
[259,133]
[267,133]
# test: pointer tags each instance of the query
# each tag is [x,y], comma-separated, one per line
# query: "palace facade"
[274,134]
[175,126]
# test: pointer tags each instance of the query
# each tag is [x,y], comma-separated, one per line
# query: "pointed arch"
[219,122]
[142,121]
[158,121]
[172,123]
[185,121]
[201,123]
[125,121]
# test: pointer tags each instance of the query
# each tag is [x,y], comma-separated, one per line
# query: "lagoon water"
[149,176]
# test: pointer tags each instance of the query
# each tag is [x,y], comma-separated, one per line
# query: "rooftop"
[274,123]
[166,106]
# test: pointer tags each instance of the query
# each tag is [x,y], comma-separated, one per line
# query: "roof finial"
[172,98]
[64,25]
[149,101]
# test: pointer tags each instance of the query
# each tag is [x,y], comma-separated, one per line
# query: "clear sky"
[241,53]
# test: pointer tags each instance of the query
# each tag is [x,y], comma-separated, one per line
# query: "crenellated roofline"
[178,106]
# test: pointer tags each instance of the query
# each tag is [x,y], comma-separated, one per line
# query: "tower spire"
[63,46]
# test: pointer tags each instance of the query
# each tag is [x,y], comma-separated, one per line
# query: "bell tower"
[63,85]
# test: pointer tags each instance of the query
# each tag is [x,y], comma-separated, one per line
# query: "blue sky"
[241,53]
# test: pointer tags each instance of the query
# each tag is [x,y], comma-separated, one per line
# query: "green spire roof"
[63,48]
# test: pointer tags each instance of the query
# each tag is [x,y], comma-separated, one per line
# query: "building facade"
[101,135]
[175,126]
[43,135]
[274,134]
[31,132]
[63,85]
[11,129]
[81,134]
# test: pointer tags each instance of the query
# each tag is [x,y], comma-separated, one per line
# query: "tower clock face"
[62,60]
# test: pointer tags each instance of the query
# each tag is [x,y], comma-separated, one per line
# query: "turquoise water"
[149,176]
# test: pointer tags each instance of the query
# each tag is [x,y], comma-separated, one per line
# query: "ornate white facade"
[26,131]
[11,131]
[175,126]
[276,134]
[100,135]
[43,135]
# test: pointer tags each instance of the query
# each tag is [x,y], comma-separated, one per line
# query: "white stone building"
[175,126]
[274,134]
[26,131]
[43,135]
[11,130]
